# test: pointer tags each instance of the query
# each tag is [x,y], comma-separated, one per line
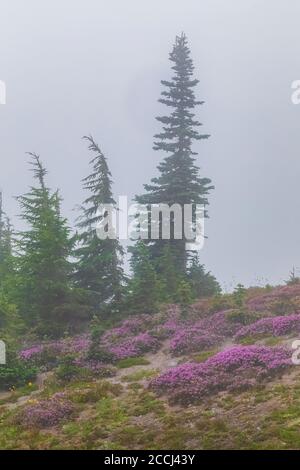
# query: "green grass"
[111,417]
[248,340]
[140,375]
[95,392]
[273,341]
[132,361]
[114,416]
[267,340]
[201,357]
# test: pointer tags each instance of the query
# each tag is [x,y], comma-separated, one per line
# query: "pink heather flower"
[265,302]
[76,345]
[46,413]
[129,327]
[27,354]
[272,326]
[202,335]
[136,346]
[236,368]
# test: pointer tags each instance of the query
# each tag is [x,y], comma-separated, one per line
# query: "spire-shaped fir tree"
[145,290]
[46,298]
[10,323]
[6,257]
[179,181]
[99,267]
[202,282]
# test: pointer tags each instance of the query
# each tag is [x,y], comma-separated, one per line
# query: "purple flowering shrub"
[136,336]
[48,353]
[192,339]
[140,334]
[237,368]
[45,413]
[271,326]
[30,353]
[169,324]
[135,346]
[53,354]
[96,368]
[128,340]
[204,334]
[186,334]
[43,355]
[282,300]
[130,327]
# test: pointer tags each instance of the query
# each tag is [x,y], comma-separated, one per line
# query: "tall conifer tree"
[46,298]
[10,323]
[203,283]
[99,268]
[144,287]
[179,180]
[6,258]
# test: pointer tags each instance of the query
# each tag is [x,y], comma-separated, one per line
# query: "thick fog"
[74,67]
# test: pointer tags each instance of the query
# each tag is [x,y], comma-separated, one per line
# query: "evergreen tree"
[144,287]
[98,269]
[10,322]
[46,298]
[184,297]
[203,283]
[239,294]
[178,181]
[293,278]
[6,257]
[169,273]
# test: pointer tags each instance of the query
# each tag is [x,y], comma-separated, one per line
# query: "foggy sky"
[74,67]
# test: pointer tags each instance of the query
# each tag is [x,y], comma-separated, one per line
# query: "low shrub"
[140,375]
[95,392]
[68,369]
[94,368]
[283,300]
[99,353]
[242,316]
[204,334]
[271,326]
[45,413]
[48,354]
[16,374]
[135,346]
[237,368]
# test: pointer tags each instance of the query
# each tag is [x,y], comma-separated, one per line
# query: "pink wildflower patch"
[286,299]
[237,368]
[51,350]
[135,346]
[271,326]
[45,413]
[204,334]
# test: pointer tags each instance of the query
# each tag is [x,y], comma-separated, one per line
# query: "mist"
[73,68]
